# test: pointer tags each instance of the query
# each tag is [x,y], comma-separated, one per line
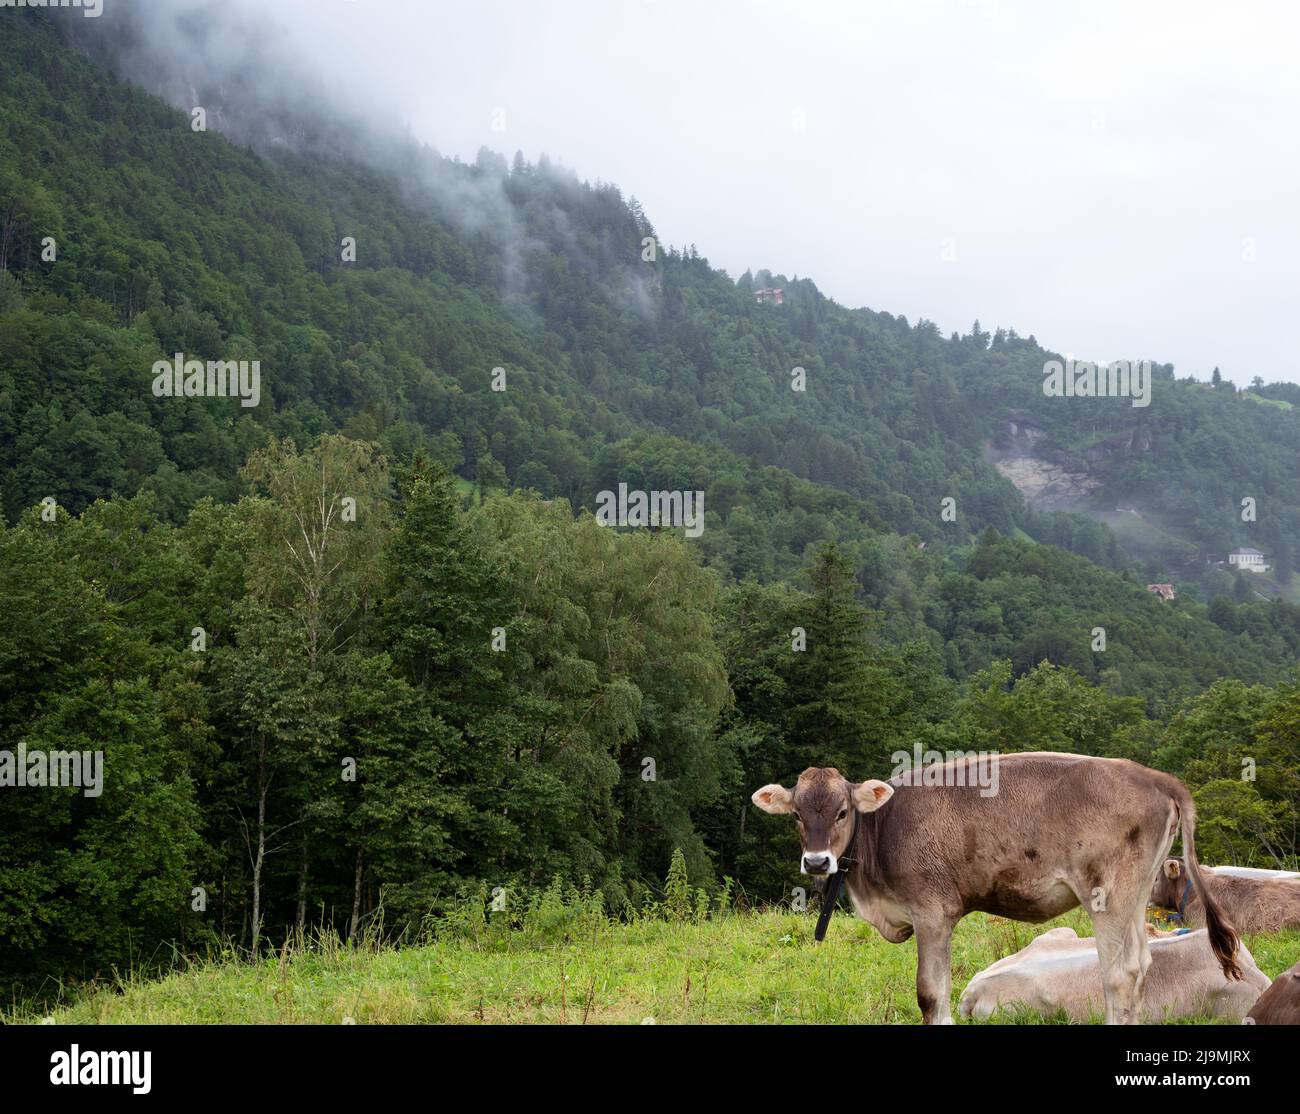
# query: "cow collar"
[1181,912]
[831,894]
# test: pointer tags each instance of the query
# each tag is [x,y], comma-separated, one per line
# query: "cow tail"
[1223,936]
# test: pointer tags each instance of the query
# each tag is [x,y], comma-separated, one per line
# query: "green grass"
[737,968]
[1280,403]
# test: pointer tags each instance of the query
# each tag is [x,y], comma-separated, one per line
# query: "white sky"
[1102,169]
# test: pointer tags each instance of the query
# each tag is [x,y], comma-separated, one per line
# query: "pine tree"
[838,689]
[443,601]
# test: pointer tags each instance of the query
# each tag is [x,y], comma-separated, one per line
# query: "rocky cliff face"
[1047,477]
[1047,486]
[1141,441]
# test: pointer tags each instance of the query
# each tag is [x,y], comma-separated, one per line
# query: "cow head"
[1170,885]
[823,803]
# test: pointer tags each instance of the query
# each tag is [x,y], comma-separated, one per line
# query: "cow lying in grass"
[922,850]
[1255,872]
[1059,971]
[1280,1003]
[1251,903]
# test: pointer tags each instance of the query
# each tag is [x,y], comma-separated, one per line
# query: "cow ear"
[870,795]
[1173,868]
[774,798]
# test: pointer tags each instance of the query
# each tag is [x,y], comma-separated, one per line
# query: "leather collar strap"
[831,894]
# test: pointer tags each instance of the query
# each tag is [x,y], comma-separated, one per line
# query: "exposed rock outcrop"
[1047,486]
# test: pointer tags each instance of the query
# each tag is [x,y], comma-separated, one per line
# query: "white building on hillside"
[1247,559]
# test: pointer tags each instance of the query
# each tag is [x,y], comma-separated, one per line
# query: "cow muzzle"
[818,863]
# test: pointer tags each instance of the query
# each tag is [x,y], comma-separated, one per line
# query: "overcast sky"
[1121,180]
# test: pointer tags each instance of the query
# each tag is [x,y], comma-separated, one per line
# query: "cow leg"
[1122,925]
[1143,945]
[934,970]
[1138,940]
[1124,958]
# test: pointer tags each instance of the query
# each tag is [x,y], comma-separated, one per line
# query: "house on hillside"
[773,294]
[1164,591]
[1247,559]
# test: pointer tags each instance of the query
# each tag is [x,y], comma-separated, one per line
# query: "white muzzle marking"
[831,867]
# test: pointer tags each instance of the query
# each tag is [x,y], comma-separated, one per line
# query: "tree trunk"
[6,238]
[356,897]
[300,922]
[261,847]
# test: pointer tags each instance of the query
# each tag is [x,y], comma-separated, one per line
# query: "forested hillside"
[481,685]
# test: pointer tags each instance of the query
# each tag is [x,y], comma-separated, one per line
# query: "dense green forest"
[362,648]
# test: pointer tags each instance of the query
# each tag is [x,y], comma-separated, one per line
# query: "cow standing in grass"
[922,850]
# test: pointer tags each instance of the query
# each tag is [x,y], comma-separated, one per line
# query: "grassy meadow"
[733,968]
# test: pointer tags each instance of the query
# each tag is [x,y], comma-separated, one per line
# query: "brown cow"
[1280,1003]
[931,845]
[1252,904]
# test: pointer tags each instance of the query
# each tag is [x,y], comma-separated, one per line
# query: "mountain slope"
[662,374]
